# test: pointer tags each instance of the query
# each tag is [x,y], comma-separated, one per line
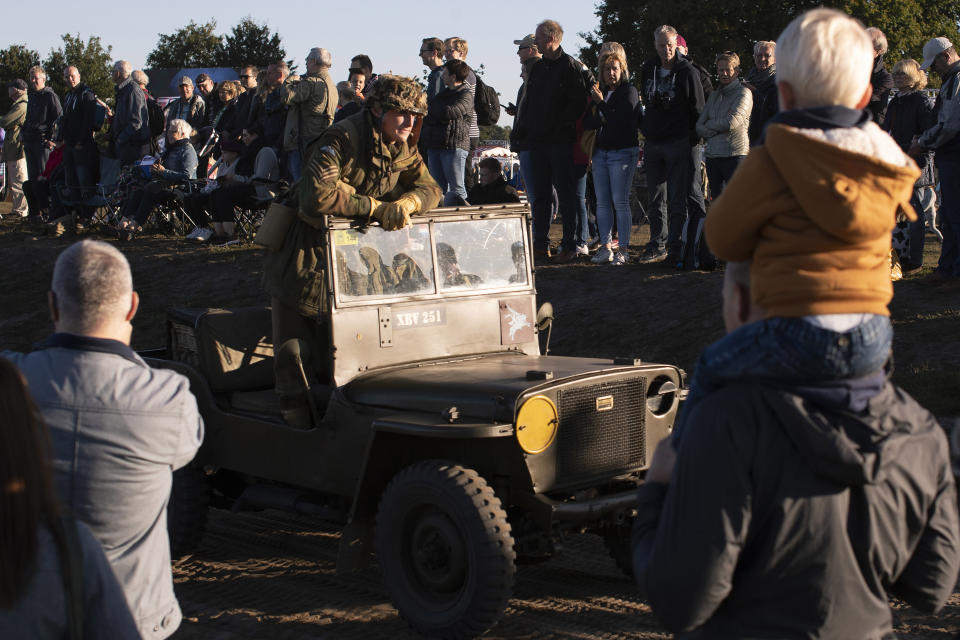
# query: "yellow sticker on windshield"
[344,237]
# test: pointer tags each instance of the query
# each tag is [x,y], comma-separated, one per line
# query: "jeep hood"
[482,387]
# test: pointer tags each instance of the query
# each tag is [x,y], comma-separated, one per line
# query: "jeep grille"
[600,443]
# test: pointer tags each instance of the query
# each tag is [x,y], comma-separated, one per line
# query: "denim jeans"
[789,351]
[949,218]
[80,174]
[612,179]
[583,222]
[447,166]
[526,173]
[695,201]
[719,172]
[553,166]
[668,183]
[294,165]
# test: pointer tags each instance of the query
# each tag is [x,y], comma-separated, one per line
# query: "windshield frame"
[431,220]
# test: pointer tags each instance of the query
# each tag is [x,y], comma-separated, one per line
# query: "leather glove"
[396,215]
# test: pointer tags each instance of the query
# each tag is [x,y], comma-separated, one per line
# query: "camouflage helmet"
[397,93]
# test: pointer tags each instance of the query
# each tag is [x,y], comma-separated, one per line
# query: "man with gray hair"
[43,110]
[130,127]
[118,427]
[312,103]
[762,81]
[881,80]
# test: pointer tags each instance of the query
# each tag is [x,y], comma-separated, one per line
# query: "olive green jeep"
[445,441]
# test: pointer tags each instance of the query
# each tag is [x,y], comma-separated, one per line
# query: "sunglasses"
[522,48]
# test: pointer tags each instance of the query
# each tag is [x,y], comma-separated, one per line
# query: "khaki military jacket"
[11,121]
[347,166]
[312,103]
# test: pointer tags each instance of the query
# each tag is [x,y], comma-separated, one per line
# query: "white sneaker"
[621,259]
[583,250]
[602,255]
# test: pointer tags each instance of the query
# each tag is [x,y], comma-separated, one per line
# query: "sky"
[388,31]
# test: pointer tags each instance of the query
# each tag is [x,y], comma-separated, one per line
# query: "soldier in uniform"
[365,166]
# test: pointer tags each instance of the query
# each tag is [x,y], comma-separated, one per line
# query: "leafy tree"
[195,45]
[90,58]
[250,43]
[494,132]
[15,62]
[710,28]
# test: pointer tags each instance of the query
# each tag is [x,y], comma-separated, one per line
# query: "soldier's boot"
[293,386]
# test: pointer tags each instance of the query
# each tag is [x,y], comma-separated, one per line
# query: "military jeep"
[445,441]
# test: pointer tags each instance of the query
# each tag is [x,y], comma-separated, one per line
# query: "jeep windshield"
[433,257]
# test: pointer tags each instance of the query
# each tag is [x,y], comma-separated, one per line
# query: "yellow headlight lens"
[536,424]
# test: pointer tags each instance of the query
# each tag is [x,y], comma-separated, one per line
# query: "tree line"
[711,28]
[248,42]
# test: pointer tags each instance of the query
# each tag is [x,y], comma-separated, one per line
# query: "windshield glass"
[374,263]
[472,255]
[481,254]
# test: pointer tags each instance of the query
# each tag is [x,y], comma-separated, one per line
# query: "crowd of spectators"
[817,148]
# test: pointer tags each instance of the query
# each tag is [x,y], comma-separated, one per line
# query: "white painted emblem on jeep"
[517,320]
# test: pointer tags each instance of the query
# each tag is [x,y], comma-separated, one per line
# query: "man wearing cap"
[944,138]
[367,167]
[527,48]
[190,106]
[16,164]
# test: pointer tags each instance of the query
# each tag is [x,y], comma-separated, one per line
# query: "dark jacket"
[673,102]
[615,119]
[434,84]
[498,192]
[882,83]
[194,111]
[347,110]
[795,512]
[43,109]
[131,121]
[556,96]
[518,137]
[213,106]
[79,110]
[908,115]
[270,117]
[766,101]
[447,125]
[246,102]
[703,74]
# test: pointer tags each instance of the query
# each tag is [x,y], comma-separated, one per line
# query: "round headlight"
[536,424]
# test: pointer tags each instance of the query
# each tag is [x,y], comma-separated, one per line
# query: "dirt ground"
[273,574]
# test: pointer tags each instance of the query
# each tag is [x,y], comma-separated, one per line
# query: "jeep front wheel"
[446,549]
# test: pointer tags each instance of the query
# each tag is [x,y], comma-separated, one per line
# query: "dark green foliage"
[195,45]
[250,43]
[15,62]
[90,58]
[711,28]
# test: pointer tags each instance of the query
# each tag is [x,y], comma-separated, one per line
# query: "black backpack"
[158,121]
[486,104]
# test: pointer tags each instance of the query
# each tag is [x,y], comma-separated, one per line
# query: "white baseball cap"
[932,49]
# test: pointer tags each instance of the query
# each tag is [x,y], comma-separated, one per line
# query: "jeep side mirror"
[545,322]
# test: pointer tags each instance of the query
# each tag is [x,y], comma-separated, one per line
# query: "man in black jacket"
[673,96]
[555,97]
[37,131]
[492,187]
[797,511]
[80,156]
